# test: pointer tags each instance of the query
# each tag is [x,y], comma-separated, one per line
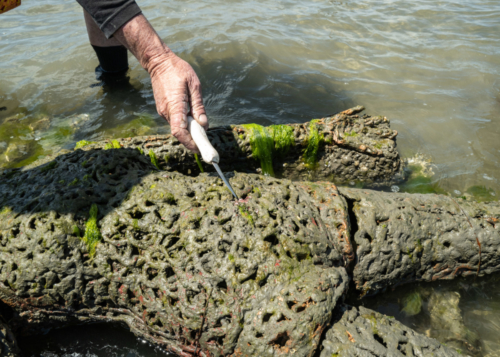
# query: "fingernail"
[203,118]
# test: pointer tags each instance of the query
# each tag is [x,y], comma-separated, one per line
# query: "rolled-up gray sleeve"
[110,15]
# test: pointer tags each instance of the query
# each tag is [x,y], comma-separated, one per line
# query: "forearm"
[176,87]
[142,40]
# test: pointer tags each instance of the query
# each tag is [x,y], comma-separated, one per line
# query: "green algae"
[257,191]
[154,159]
[351,134]
[76,231]
[283,139]
[419,182]
[83,143]
[141,125]
[5,210]
[114,144]
[198,162]
[314,141]
[16,135]
[412,304]
[74,182]
[61,134]
[262,144]
[135,224]
[35,150]
[92,234]
[140,150]
[14,129]
[169,198]
[421,185]
[267,142]
[373,321]
[245,214]
[482,193]
[49,166]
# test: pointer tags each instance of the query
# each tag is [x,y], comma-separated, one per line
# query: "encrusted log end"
[360,332]
[403,238]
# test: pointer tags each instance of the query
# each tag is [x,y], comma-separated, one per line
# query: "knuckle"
[175,132]
[196,85]
[164,114]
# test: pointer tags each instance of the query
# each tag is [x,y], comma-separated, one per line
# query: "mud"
[185,267]
[403,238]
[348,148]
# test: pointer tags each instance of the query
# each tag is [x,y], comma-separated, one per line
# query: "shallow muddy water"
[431,67]
[468,321]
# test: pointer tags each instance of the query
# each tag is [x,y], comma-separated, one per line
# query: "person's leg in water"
[112,55]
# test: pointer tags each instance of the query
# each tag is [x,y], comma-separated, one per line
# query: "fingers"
[178,125]
[175,85]
[196,102]
[185,138]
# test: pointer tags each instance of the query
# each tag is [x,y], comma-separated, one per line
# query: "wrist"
[142,40]
[154,57]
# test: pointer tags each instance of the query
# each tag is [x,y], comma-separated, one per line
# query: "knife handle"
[208,153]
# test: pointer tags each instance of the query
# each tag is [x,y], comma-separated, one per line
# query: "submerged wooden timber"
[401,238]
[103,235]
[343,148]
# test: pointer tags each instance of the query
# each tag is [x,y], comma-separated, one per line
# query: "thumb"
[196,103]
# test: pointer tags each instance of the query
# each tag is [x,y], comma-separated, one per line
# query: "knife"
[208,153]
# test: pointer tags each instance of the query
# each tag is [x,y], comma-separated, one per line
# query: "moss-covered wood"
[187,268]
[346,147]
[179,262]
[403,238]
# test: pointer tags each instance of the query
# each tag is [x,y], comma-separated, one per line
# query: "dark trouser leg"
[112,60]
[112,55]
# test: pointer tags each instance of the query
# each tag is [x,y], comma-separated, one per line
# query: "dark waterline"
[95,340]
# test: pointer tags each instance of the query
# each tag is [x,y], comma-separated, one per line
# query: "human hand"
[176,87]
